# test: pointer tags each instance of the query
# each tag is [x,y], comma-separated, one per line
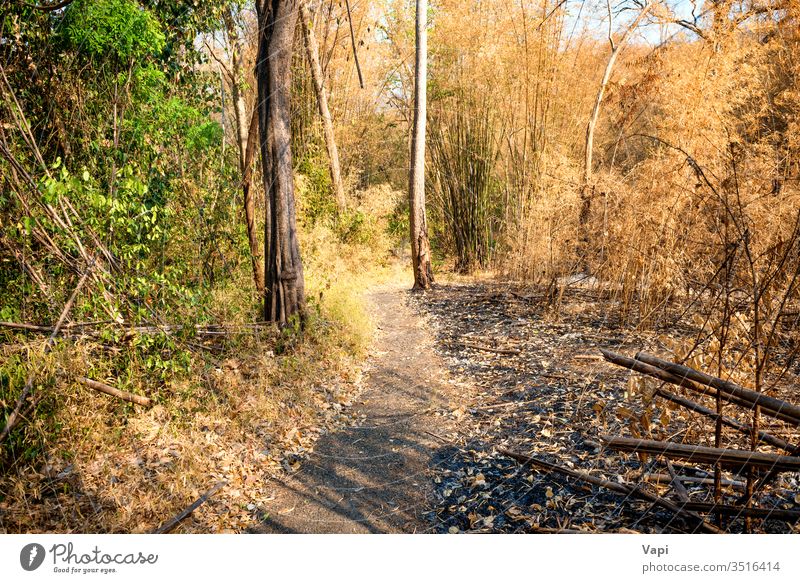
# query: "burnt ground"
[466,369]
[543,389]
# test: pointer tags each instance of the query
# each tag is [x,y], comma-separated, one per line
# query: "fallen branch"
[180,517]
[676,484]
[701,454]
[109,390]
[631,491]
[667,479]
[489,348]
[765,402]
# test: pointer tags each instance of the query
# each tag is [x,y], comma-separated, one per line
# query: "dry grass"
[250,406]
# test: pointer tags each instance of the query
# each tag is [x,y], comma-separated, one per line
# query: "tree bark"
[312,52]
[246,133]
[420,245]
[284,290]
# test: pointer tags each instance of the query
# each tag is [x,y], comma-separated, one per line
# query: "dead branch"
[109,390]
[730,510]
[763,436]
[181,516]
[667,479]
[765,402]
[778,411]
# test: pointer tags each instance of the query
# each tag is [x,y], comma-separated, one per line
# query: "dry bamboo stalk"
[109,390]
[765,402]
[763,436]
[730,510]
[666,479]
[666,376]
[702,454]
[181,516]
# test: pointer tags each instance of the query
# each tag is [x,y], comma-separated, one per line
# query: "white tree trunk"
[420,246]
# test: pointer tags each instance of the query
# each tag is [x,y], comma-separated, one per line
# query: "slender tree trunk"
[250,204]
[587,188]
[284,292]
[246,133]
[420,245]
[312,52]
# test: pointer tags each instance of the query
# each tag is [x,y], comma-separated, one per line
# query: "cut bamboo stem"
[765,402]
[701,454]
[109,390]
[730,510]
[763,436]
[782,412]
[666,479]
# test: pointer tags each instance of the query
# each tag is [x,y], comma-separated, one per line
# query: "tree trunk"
[420,245]
[246,133]
[284,292]
[312,52]
[250,204]
[587,188]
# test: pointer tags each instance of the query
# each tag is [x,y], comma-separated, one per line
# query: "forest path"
[373,477]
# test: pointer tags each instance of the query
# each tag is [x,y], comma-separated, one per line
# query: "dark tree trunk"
[284,293]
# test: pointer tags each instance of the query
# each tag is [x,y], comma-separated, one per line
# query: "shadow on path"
[372,478]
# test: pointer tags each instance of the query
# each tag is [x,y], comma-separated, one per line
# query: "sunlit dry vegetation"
[153,226]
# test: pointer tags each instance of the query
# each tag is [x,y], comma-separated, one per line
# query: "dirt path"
[373,477]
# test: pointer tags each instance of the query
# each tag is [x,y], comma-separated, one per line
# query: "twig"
[178,518]
[489,348]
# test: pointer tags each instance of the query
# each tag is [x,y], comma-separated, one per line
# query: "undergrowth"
[235,408]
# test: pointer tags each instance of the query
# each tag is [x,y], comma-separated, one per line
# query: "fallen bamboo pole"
[763,436]
[109,390]
[666,376]
[666,479]
[702,454]
[765,402]
[631,491]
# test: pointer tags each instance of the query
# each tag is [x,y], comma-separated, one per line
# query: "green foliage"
[466,199]
[112,29]
[316,198]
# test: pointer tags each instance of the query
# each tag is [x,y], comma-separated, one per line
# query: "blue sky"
[593,16]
